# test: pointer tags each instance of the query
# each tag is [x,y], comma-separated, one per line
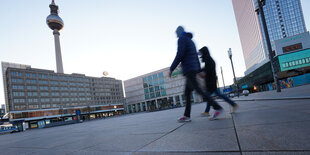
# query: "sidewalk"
[300,92]
[266,127]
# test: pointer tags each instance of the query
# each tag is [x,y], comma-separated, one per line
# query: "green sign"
[294,60]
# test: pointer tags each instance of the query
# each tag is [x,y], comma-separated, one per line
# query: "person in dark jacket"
[188,57]
[211,80]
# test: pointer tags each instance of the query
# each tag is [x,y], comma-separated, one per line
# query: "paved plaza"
[260,126]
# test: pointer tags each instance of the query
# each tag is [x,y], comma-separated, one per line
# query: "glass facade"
[154,86]
[284,18]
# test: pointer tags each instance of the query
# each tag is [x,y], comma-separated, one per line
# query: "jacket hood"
[189,35]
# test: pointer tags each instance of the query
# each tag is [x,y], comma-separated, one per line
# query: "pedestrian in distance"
[188,57]
[209,74]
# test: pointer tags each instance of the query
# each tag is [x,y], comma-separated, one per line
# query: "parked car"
[232,95]
[245,92]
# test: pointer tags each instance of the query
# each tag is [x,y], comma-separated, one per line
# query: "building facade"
[156,91]
[249,32]
[284,18]
[39,96]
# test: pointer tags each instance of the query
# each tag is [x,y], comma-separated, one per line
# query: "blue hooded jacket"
[186,55]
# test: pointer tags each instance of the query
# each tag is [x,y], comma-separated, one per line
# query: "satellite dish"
[105,73]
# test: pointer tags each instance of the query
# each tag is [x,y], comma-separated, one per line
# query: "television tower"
[56,24]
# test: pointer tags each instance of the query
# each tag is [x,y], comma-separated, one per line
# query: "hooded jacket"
[186,55]
[209,70]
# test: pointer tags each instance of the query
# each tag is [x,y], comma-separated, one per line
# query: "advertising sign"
[294,60]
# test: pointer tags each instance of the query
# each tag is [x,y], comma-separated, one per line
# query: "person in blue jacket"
[188,57]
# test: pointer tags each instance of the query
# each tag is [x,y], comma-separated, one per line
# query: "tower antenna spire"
[56,24]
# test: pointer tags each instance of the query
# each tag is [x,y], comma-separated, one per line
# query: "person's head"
[204,52]
[179,31]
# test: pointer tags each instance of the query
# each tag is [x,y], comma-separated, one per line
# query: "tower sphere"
[54,22]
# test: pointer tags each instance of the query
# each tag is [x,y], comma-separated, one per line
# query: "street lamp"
[232,66]
[260,11]
[222,77]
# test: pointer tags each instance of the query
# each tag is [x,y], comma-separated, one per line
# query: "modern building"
[284,18]
[289,39]
[249,33]
[39,97]
[156,91]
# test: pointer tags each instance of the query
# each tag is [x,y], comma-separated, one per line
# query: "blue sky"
[125,38]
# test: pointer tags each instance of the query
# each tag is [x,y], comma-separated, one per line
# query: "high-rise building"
[38,96]
[284,18]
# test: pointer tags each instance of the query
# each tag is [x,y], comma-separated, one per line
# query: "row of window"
[156,94]
[153,89]
[54,77]
[35,100]
[44,82]
[16,94]
[153,77]
[296,62]
[21,87]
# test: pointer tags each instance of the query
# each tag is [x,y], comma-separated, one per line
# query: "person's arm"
[180,54]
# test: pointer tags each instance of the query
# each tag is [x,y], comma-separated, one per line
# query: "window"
[145,85]
[13,73]
[43,88]
[163,93]
[149,78]
[147,96]
[152,95]
[144,79]
[18,94]
[43,82]
[157,94]
[20,87]
[54,82]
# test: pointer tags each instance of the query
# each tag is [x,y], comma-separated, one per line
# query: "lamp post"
[222,78]
[232,66]
[260,11]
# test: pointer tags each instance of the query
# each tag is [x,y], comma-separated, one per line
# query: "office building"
[156,91]
[284,18]
[38,96]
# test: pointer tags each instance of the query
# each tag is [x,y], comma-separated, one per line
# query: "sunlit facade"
[37,94]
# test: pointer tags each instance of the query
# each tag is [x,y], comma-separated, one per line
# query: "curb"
[279,98]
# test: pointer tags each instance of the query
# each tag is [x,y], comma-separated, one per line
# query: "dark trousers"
[224,97]
[192,84]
